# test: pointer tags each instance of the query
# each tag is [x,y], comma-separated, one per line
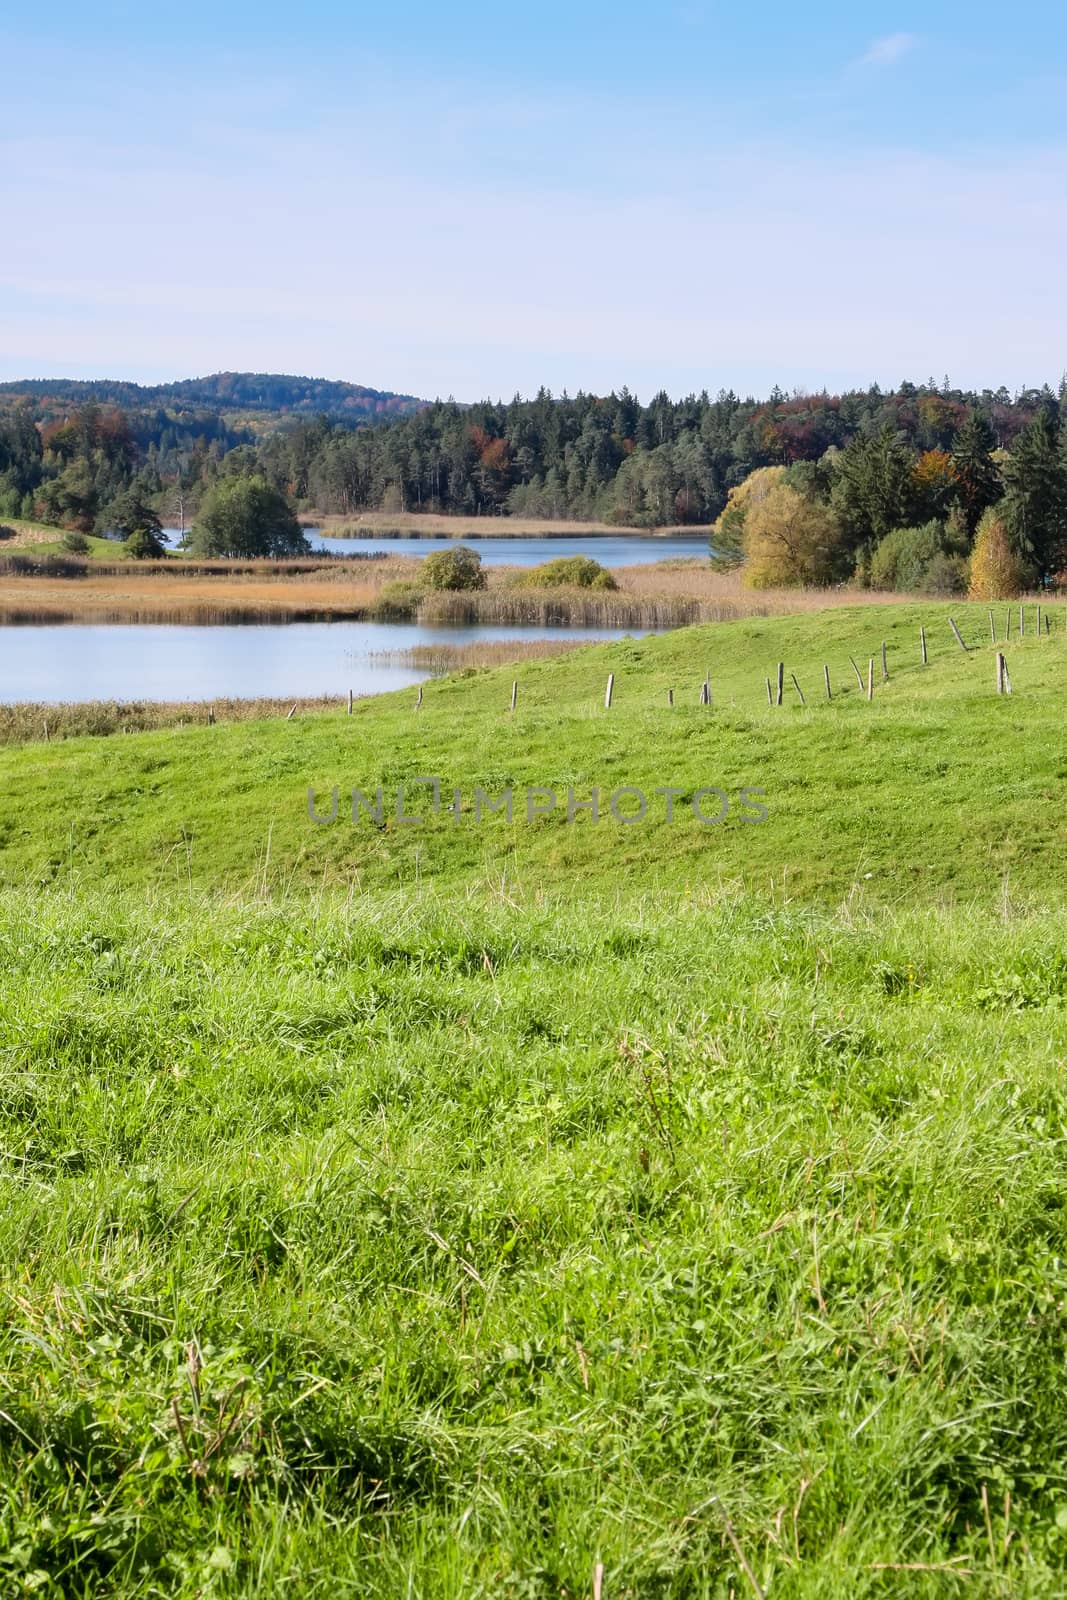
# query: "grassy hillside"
[546,1210]
[936,789]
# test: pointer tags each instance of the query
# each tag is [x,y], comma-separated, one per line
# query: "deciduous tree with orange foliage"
[998,572]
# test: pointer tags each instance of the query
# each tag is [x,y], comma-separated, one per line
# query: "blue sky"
[479,199]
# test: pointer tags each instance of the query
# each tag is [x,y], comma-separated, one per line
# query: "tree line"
[799,487]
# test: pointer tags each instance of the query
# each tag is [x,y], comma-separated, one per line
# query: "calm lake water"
[163,661]
[611,550]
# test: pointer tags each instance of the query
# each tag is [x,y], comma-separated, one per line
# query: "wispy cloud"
[887,51]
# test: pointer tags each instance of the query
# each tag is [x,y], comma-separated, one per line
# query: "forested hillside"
[228,391]
[802,488]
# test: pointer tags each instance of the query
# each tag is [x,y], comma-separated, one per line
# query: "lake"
[610,549]
[165,661]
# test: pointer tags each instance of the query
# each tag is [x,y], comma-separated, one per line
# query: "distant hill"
[224,391]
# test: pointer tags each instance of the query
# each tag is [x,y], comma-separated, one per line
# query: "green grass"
[456,1211]
[938,789]
[475,1246]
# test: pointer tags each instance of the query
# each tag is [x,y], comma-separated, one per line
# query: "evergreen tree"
[977,478]
[874,492]
[1035,502]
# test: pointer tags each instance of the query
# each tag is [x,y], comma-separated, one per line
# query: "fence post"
[922,641]
[705,694]
[956,631]
[856,670]
[798,689]
[1039,622]
[418,702]
[670,697]
[870,679]
[514,696]
[992,629]
[609,691]
[1022,622]
[770,696]
[885,665]
[781,682]
[1007,679]
[349,702]
[290,714]
[826,676]
[1000,673]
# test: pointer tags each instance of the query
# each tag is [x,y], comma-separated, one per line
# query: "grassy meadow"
[543,1209]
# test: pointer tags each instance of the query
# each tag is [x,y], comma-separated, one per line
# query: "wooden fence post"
[514,697]
[418,702]
[349,702]
[859,674]
[956,631]
[1007,679]
[1022,622]
[670,697]
[781,682]
[290,714]
[870,679]
[770,696]
[922,641]
[885,665]
[826,676]
[705,693]
[992,629]
[1000,673]
[798,689]
[609,691]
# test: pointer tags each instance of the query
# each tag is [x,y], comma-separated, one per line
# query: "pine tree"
[977,478]
[1035,504]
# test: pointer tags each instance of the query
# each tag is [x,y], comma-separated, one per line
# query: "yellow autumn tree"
[790,540]
[728,533]
[998,572]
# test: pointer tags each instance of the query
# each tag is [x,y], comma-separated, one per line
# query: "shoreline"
[432,525]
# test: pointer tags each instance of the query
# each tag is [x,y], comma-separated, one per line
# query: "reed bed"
[557,608]
[33,721]
[52,564]
[440,659]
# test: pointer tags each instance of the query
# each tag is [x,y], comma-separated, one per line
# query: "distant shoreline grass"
[428,525]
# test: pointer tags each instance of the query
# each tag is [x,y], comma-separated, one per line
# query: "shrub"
[75,544]
[144,545]
[398,602]
[460,568]
[945,574]
[573,572]
[928,559]
[998,571]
